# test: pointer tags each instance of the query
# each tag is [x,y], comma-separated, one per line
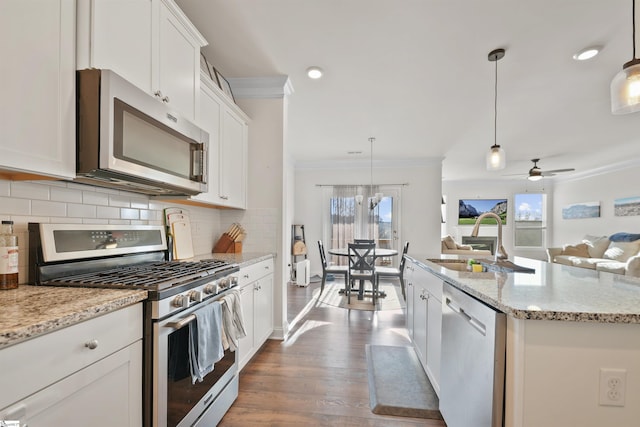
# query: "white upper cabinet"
[37,115]
[151,43]
[228,129]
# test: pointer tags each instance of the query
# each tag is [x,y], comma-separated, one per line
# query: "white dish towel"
[232,319]
[205,340]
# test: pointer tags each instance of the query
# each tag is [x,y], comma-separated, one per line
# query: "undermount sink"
[501,266]
[451,264]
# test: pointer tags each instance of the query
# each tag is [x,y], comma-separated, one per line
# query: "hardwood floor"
[318,375]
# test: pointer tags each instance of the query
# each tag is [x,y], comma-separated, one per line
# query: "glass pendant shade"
[496,158]
[625,89]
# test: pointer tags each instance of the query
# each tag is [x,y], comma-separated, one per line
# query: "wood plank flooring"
[318,375]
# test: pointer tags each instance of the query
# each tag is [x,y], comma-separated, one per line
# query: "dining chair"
[327,269]
[363,241]
[393,271]
[361,267]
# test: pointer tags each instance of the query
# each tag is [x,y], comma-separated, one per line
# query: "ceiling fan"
[535,173]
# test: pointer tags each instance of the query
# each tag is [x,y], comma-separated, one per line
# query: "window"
[345,219]
[530,220]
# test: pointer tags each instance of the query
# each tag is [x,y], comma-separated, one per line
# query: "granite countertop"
[29,311]
[553,292]
[243,259]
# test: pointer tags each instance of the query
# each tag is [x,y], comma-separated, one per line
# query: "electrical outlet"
[613,383]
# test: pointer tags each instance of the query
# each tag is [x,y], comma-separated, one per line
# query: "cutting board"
[182,241]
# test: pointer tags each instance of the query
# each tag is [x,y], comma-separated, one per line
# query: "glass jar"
[8,256]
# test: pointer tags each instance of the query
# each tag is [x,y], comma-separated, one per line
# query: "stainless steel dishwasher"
[473,361]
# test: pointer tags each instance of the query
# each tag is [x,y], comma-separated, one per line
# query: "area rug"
[398,385]
[331,296]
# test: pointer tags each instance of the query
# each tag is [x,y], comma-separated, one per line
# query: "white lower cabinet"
[256,291]
[86,374]
[424,318]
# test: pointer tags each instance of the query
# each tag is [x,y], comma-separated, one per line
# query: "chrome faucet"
[501,254]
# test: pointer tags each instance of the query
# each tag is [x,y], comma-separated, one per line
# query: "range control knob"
[195,296]
[223,283]
[180,301]
[233,281]
[211,288]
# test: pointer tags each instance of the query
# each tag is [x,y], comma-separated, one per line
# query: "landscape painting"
[581,210]
[470,209]
[628,206]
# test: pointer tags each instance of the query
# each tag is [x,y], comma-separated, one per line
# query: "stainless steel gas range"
[126,256]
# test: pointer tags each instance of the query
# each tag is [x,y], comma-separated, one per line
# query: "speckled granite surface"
[244,259]
[553,292]
[29,311]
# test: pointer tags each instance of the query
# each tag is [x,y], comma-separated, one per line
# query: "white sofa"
[618,253]
[450,247]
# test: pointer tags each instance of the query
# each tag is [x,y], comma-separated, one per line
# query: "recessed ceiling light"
[314,72]
[586,53]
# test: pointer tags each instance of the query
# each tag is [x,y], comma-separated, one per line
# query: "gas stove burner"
[151,276]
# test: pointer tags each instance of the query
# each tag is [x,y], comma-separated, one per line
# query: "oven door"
[176,400]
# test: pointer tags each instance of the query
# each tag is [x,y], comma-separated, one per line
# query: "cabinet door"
[37,113]
[245,345]
[104,394]
[178,65]
[410,290]
[263,314]
[434,335]
[210,113]
[117,35]
[420,319]
[234,160]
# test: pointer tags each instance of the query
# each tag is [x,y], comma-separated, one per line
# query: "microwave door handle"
[198,163]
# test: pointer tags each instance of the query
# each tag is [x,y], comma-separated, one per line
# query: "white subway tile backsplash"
[139,203]
[44,208]
[5,187]
[94,221]
[11,206]
[119,222]
[119,201]
[75,210]
[65,195]
[94,198]
[126,213]
[29,190]
[108,212]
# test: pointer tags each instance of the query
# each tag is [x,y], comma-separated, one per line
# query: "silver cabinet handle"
[165,99]
[246,276]
[91,345]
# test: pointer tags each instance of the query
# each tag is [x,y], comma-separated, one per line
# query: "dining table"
[379,253]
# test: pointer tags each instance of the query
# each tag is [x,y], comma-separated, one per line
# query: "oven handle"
[182,322]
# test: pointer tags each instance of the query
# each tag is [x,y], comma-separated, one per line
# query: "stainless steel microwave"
[129,140]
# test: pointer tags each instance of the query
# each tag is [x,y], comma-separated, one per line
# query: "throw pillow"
[448,240]
[596,244]
[624,237]
[581,250]
[622,251]
[465,247]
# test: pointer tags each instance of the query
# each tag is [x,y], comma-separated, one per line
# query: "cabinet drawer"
[32,365]
[428,280]
[255,271]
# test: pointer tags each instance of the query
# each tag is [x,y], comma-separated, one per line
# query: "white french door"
[345,219]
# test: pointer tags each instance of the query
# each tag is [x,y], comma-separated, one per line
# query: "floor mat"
[332,296]
[398,385]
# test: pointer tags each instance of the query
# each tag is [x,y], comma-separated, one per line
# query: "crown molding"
[366,164]
[272,87]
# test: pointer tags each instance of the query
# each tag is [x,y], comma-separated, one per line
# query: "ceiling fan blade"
[555,171]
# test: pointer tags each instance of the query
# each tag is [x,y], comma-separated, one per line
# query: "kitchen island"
[567,330]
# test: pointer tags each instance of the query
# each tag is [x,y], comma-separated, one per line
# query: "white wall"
[605,188]
[420,201]
[456,190]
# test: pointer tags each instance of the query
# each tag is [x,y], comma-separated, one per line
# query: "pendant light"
[625,86]
[377,197]
[496,157]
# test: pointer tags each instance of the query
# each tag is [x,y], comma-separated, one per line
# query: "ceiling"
[414,74]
